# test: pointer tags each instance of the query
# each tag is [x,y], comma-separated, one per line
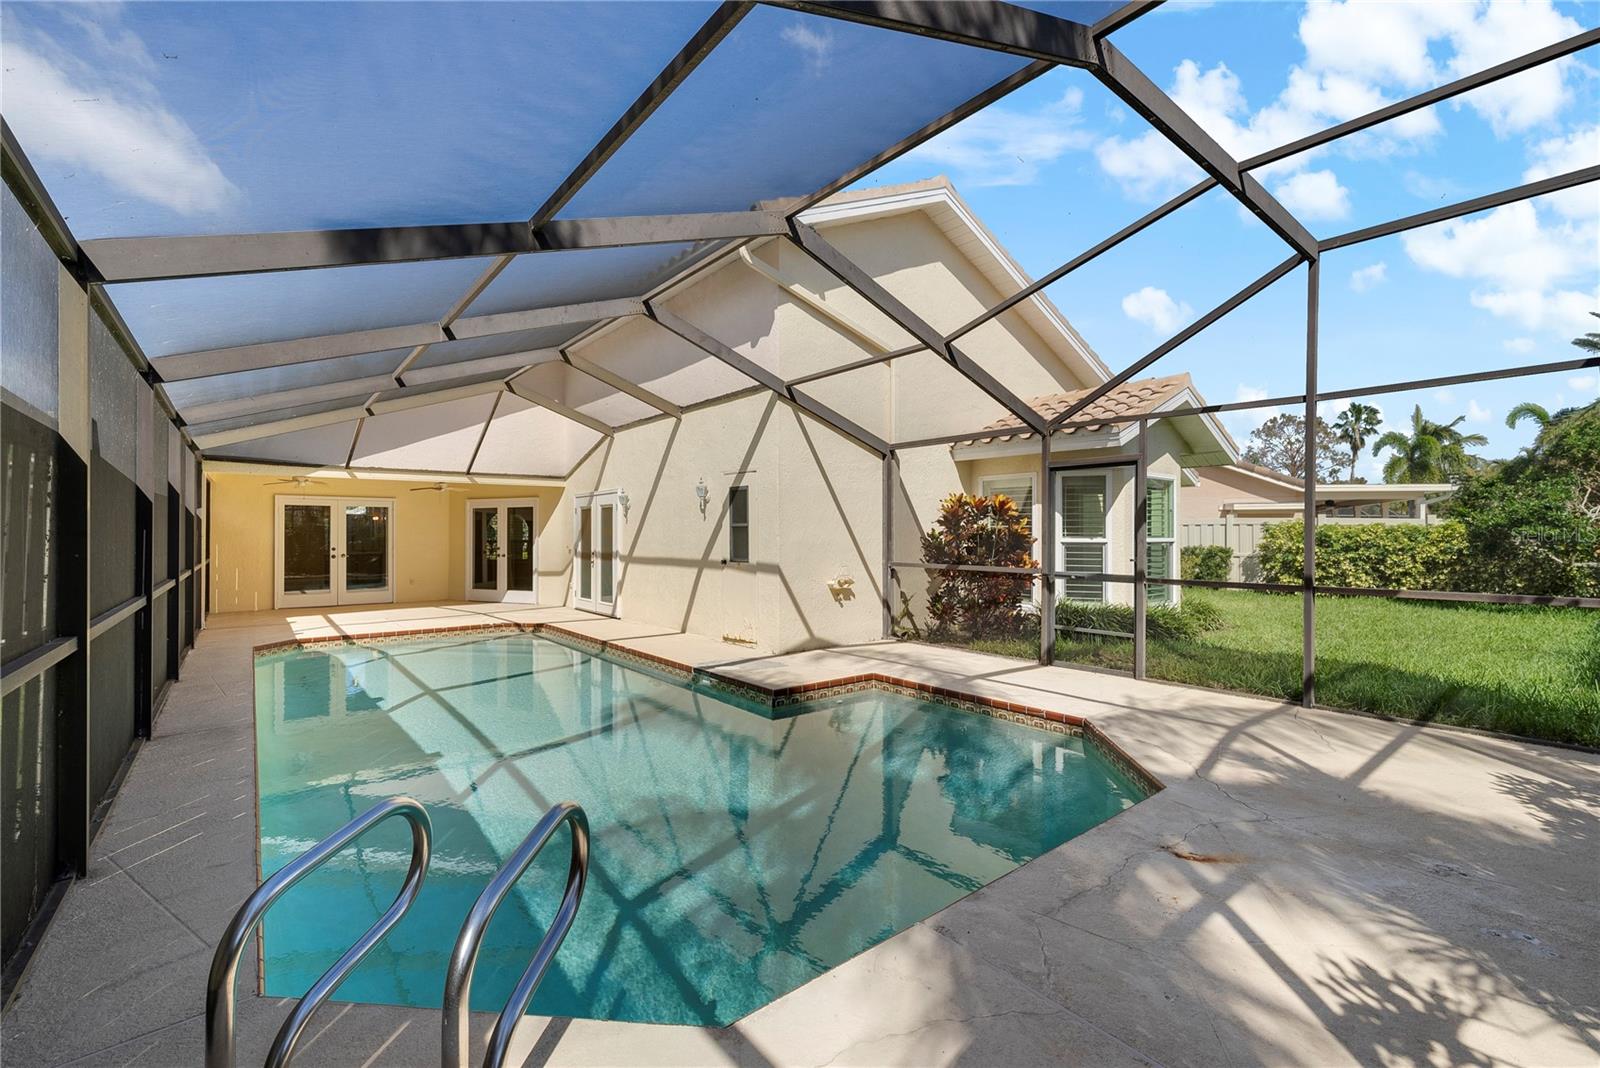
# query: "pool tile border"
[772,697]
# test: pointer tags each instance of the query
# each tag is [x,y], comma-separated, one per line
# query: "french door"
[332,550]
[503,550]
[596,533]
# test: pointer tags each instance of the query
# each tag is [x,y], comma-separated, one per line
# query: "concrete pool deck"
[1310,888]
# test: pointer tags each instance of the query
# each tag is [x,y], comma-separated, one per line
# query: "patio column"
[1141,545]
[1308,569]
[1047,554]
[891,471]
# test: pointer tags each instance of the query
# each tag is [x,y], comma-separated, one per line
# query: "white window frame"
[1169,593]
[749,524]
[1104,540]
[1033,513]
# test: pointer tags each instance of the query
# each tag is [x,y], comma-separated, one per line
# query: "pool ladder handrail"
[225,963]
[456,1031]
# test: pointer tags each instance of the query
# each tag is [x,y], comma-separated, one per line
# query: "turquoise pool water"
[737,852]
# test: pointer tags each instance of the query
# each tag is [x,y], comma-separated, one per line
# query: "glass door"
[306,555]
[503,550]
[333,550]
[596,562]
[365,572]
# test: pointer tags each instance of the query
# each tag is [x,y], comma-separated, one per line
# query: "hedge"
[1396,556]
[1186,621]
[1206,563]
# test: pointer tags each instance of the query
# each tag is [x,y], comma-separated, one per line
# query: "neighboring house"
[1231,505]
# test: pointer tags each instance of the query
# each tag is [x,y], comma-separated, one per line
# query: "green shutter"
[1160,497]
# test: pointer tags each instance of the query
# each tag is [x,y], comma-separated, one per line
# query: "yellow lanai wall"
[429,536]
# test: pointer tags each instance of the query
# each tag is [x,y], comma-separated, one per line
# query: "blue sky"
[1061,164]
[213,118]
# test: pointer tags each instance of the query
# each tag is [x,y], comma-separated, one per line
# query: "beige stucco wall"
[1203,502]
[815,496]
[429,537]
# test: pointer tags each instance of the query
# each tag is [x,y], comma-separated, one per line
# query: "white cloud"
[998,146]
[1562,155]
[104,114]
[815,44]
[1523,266]
[1444,396]
[1147,165]
[1396,43]
[1477,413]
[1520,345]
[1314,195]
[1584,383]
[1504,30]
[1156,309]
[1369,277]
[1243,423]
[1358,57]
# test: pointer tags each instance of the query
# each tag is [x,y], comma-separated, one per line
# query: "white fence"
[1243,536]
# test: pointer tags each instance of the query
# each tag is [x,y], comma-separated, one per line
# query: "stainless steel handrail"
[225,964]
[464,958]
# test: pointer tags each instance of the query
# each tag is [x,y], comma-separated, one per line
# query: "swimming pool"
[738,851]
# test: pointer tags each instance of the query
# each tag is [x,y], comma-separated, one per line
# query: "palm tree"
[1528,410]
[1432,452]
[1354,426]
[1589,342]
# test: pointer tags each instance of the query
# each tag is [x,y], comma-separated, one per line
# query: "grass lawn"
[1524,670]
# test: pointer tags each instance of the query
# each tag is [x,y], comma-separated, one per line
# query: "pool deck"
[1310,888]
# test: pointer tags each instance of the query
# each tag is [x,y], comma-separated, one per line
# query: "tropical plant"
[1431,452]
[986,531]
[1354,426]
[1589,342]
[1528,410]
[1533,523]
[1280,443]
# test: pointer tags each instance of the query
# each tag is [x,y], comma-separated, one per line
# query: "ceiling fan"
[297,480]
[437,487]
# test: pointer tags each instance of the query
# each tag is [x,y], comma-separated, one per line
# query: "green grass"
[1523,670]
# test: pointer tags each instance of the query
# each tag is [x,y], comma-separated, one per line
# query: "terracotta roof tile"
[1131,398]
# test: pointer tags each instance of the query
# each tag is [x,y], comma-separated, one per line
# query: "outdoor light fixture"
[703,494]
[622,499]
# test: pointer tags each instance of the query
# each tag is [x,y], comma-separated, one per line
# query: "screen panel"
[437,437]
[188,118]
[192,314]
[114,386]
[763,116]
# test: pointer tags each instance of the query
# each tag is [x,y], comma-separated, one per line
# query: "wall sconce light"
[622,499]
[704,496]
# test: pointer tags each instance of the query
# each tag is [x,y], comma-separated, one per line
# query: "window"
[739,525]
[1161,497]
[1020,489]
[1081,525]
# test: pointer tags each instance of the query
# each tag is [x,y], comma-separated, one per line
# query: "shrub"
[1399,556]
[989,531]
[1185,621]
[1207,563]
[1533,524]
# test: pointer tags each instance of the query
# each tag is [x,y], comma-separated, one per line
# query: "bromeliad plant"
[989,531]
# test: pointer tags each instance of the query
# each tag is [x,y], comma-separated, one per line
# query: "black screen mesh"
[28,799]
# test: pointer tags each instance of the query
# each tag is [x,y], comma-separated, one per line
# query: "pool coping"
[773,697]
